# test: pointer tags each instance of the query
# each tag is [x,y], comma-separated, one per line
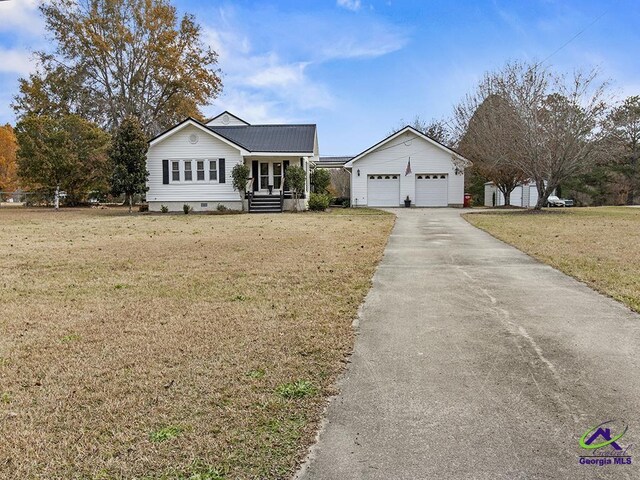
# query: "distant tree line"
[120,72]
[526,122]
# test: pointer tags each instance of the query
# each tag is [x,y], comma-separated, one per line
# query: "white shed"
[524,195]
[407,164]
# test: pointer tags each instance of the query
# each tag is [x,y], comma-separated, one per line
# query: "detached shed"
[524,195]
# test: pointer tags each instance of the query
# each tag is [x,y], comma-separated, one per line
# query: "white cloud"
[279,75]
[16,61]
[21,17]
[353,5]
[268,72]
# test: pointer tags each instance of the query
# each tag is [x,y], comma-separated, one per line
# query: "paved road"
[475,361]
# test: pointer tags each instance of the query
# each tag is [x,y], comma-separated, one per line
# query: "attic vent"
[193,138]
[225,119]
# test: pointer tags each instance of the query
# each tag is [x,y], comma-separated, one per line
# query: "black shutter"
[165,172]
[254,168]
[221,171]
[302,163]
[285,165]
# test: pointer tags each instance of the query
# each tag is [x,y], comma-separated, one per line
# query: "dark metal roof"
[332,162]
[270,138]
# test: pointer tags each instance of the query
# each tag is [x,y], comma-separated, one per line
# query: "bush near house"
[319,202]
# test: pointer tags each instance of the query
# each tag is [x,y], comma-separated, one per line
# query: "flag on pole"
[408,170]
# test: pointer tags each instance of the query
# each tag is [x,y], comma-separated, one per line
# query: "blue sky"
[357,67]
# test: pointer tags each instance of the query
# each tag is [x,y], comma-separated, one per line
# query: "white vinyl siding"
[431,190]
[525,195]
[384,190]
[392,158]
[178,148]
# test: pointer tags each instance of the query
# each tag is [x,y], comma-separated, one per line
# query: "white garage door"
[431,190]
[383,190]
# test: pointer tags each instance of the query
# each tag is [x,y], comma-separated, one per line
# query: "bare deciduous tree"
[487,124]
[435,129]
[556,131]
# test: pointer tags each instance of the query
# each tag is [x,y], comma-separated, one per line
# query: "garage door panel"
[431,190]
[383,190]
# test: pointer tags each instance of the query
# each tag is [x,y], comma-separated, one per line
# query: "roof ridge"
[266,125]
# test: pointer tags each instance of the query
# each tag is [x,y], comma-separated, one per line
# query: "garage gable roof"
[395,135]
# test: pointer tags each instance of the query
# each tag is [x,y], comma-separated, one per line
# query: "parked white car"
[555,201]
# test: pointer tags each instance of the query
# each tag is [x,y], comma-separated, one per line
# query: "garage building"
[407,164]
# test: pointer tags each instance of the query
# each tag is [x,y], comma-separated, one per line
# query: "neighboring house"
[191,163]
[407,164]
[524,195]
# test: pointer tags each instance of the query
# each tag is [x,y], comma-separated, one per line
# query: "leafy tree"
[68,153]
[116,58]
[128,155]
[320,180]
[296,180]
[240,175]
[8,166]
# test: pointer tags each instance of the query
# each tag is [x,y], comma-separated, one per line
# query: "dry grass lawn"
[599,246]
[174,346]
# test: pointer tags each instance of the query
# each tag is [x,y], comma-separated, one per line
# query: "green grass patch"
[297,389]
[165,433]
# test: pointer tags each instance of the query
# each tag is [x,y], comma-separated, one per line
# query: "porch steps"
[265,204]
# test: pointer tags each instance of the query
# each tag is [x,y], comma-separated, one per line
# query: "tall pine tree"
[128,153]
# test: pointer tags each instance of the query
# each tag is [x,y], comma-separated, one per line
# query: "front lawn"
[167,346]
[599,246]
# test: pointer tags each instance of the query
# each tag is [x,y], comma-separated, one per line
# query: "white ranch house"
[407,164]
[191,164]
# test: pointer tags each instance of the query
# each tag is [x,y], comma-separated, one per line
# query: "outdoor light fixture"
[358,172]
[457,171]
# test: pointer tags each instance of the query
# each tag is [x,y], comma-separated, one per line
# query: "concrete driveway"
[474,361]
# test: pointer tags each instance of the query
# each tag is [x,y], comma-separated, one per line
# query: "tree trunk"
[543,193]
[507,199]
[130,202]
[542,198]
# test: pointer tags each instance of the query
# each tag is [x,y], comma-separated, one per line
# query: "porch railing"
[282,194]
[249,190]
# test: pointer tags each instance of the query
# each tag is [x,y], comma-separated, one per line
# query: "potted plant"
[407,202]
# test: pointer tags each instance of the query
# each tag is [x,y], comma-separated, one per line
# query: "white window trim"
[208,170]
[194,171]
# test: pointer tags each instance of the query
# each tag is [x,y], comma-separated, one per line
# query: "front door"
[264,176]
[270,174]
[277,175]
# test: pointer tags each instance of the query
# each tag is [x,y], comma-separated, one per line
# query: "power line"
[572,38]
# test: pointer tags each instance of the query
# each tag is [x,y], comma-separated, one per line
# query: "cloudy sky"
[358,67]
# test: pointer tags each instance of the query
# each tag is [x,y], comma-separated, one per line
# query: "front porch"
[268,190]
